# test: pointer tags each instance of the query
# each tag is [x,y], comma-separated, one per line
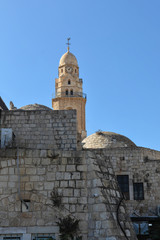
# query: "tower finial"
[68,43]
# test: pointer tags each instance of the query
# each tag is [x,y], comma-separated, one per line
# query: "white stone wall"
[84,179]
[141,165]
[42,129]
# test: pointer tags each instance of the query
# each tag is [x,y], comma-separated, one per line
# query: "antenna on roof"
[68,43]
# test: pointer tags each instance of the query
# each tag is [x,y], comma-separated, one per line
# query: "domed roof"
[68,58]
[35,107]
[107,140]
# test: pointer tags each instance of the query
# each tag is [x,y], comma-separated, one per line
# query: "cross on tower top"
[68,43]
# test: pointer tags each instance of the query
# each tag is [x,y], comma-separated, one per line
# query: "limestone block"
[3,164]
[22,170]
[32,178]
[76,192]
[72,208]
[59,176]
[18,206]
[30,171]
[38,186]
[70,168]
[76,175]
[63,184]
[4,171]
[80,183]
[12,178]
[41,171]
[28,186]
[43,153]
[68,192]
[61,168]
[11,184]
[11,170]
[65,200]
[28,161]
[40,222]
[82,168]
[72,200]
[71,183]
[48,185]
[128,233]
[84,192]
[67,175]
[99,207]
[82,200]
[45,161]
[97,183]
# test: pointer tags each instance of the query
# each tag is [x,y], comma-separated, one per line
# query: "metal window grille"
[138,191]
[123,181]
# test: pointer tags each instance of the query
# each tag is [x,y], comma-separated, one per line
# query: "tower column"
[68,90]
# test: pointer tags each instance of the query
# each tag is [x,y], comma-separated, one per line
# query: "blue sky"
[117,45]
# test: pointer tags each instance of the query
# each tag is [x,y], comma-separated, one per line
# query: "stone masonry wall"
[42,129]
[142,165]
[85,181]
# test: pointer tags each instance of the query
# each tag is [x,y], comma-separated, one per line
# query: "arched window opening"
[66,92]
[71,92]
[75,70]
[61,70]
[69,82]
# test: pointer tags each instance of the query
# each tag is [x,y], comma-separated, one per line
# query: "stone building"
[52,186]
[69,92]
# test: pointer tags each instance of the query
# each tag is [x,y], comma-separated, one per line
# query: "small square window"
[138,191]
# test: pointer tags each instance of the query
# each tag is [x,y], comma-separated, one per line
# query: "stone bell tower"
[68,90]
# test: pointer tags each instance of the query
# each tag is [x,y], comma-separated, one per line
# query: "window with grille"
[11,237]
[123,181]
[43,236]
[138,191]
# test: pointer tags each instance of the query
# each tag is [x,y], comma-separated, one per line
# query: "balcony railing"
[74,94]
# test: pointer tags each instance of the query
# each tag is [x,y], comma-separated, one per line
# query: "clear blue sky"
[117,45]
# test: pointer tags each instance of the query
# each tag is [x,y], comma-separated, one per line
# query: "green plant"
[56,198]
[68,227]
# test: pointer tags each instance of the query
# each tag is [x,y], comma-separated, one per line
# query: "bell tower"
[68,90]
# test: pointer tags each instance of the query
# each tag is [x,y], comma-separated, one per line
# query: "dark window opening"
[11,238]
[75,71]
[123,181]
[61,70]
[138,191]
[66,92]
[43,237]
[25,205]
[69,82]
[71,92]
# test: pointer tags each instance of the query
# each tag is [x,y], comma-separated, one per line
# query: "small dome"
[107,140]
[68,58]
[35,107]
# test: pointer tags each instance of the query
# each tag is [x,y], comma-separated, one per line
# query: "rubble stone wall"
[142,165]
